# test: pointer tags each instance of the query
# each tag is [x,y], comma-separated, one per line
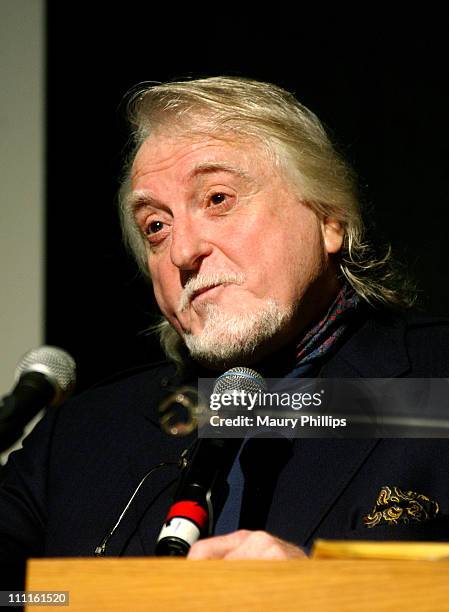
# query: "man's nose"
[189,246]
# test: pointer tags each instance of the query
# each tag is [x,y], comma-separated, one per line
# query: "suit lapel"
[377,349]
[321,469]
[312,482]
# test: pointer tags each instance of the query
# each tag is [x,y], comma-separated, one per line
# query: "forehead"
[186,157]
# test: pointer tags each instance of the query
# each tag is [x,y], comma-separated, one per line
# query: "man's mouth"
[203,290]
[203,284]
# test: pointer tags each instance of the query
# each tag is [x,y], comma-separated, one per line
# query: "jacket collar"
[376,349]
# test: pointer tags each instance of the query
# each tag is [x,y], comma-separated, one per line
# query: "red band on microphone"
[190,510]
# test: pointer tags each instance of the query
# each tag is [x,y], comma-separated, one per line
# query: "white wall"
[21,181]
[22,89]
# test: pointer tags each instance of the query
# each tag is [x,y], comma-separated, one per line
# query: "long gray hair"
[233,107]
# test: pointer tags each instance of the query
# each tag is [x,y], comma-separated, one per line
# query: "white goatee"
[228,338]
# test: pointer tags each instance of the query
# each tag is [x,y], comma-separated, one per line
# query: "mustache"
[205,281]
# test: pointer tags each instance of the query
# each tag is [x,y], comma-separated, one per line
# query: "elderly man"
[246,219]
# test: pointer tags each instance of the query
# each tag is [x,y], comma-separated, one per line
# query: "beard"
[229,339]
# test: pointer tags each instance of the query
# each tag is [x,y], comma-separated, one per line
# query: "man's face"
[239,263]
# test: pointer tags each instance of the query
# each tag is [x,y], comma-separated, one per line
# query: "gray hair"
[243,108]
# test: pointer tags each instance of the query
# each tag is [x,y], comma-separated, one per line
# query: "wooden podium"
[152,584]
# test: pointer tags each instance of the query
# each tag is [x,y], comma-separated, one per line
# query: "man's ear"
[333,234]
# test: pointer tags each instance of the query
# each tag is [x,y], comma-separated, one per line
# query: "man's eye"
[218,198]
[154,227]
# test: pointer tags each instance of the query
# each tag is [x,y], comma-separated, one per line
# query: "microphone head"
[237,379]
[56,365]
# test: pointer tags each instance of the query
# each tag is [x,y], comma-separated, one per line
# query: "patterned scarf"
[324,336]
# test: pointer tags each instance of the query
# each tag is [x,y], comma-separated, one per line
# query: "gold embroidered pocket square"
[396,507]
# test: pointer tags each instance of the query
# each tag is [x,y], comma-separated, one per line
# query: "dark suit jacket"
[79,467]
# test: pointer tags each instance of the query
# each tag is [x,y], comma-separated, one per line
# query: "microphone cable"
[100,550]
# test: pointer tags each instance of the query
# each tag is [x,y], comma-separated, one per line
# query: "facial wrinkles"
[172,162]
[167,158]
[164,169]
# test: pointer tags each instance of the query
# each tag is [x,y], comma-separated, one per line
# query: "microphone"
[45,376]
[203,488]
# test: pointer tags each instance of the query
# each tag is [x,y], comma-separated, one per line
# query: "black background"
[378,81]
